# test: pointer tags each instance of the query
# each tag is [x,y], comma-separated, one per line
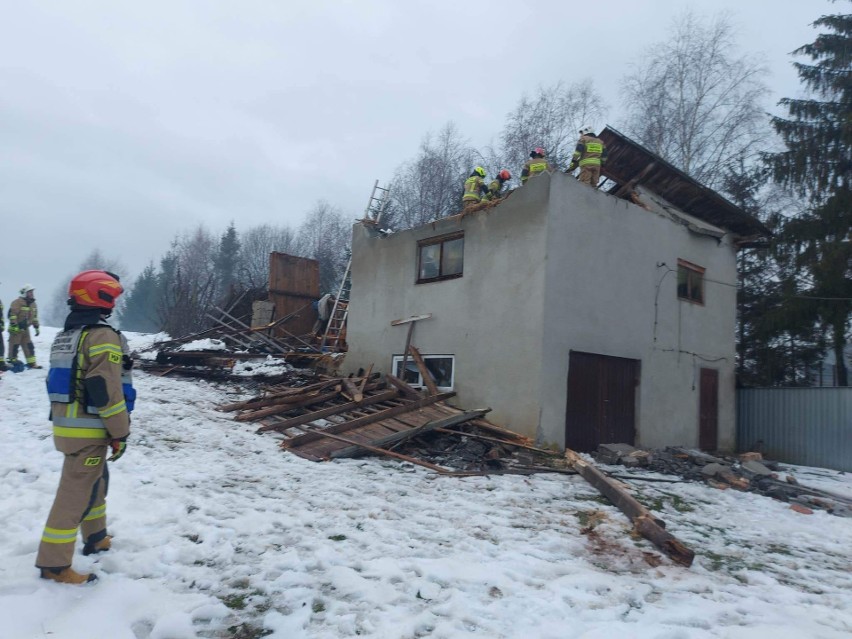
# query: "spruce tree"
[226,260]
[817,164]
[140,311]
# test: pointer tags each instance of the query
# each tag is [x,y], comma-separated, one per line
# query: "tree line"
[693,99]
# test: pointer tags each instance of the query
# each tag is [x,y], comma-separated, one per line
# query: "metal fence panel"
[807,426]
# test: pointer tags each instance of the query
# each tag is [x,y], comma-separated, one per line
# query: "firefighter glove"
[36,331]
[118,447]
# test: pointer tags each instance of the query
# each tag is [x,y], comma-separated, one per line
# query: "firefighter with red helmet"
[496,185]
[91,395]
[536,164]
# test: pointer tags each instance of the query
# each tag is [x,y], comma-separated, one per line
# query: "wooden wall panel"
[293,286]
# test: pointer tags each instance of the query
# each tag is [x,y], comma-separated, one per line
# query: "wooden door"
[601,402]
[708,409]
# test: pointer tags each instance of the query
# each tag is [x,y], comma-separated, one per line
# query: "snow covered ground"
[218,533]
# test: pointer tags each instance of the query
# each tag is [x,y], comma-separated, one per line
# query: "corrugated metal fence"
[807,426]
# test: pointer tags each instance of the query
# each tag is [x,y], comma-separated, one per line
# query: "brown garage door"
[601,406]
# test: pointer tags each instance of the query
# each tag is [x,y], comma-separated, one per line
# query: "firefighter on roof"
[91,395]
[496,186]
[535,165]
[474,188]
[2,330]
[23,313]
[590,156]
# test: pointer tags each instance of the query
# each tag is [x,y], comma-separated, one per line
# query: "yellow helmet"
[479,171]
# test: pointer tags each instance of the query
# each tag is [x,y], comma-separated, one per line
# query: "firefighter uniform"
[533,167]
[474,189]
[23,313]
[91,393]
[589,155]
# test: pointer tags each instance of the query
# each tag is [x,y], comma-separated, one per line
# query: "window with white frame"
[442,368]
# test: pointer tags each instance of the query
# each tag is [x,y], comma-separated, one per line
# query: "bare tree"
[326,236]
[695,102]
[57,307]
[255,246]
[431,186]
[188,279]
[551,120]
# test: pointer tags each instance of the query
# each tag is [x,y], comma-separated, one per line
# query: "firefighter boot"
[99,546]
[67,576]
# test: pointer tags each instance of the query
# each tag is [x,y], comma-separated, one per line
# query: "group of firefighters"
[589,155]
[91,395]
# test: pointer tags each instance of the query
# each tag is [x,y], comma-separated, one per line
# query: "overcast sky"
[122,123]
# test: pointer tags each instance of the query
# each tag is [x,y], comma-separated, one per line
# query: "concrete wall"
[557,267]
[610,291]
[490,319]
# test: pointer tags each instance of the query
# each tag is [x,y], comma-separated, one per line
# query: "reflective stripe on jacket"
[590,151]
[97,354]
[473,187]
[23,311]
[533,167]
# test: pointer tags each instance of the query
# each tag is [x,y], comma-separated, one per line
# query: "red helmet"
[538,151]
[504,175]
[96,289]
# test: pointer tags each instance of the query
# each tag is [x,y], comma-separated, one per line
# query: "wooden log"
[368,419]
[438,424]
[328,412]
[255,402]
[352,390]
[378,451]
[424,372]
[644,522]
[364,381]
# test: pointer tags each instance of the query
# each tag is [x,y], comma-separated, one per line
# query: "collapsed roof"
[629,165]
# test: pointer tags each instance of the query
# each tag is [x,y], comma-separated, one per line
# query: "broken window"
[440,366]
[690,282]
[440,258]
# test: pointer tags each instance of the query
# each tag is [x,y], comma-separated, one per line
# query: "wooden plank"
[254,402]
[283,408]
[327,412]
[413,318]
[379,451]
[405,435]
[496,440]
[361,421]
[403,387]
[424,372]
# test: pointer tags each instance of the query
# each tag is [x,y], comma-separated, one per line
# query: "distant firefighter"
[474,188]
[496,186]
[23,313]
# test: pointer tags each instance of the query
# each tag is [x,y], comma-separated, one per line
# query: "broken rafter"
[644,522]
[379,451]
[328,412]
[424,372]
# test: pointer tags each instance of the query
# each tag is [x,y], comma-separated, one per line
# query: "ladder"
[334,335]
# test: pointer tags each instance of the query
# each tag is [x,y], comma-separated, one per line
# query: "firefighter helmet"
[479,171]
[504,175]
[95,289]
[26,288]
[537,152]
[586,130]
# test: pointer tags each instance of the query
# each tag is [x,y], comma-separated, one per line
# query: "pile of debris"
[746,472]
[232,349]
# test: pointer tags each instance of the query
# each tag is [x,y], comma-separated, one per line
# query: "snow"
[208,344]
[218,533]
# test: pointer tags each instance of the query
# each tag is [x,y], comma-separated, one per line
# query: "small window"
[690,282]
[440,258]
[441,366]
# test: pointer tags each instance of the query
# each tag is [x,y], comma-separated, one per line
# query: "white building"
[579,316]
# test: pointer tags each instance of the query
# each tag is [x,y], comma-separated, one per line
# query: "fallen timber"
[644,522]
